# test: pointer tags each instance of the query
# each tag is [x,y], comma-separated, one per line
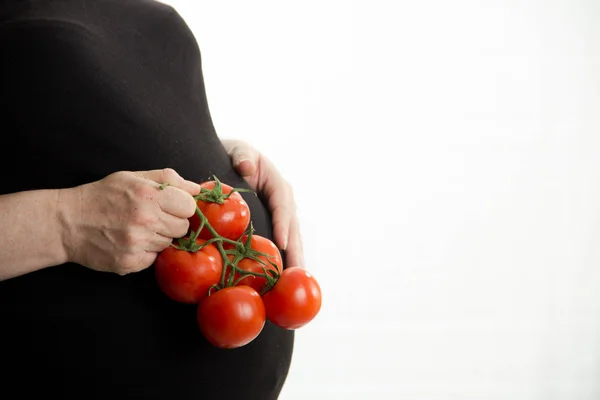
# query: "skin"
[264,178]
[120,223]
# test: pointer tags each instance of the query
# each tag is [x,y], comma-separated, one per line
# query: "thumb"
[243,156]
[171,177]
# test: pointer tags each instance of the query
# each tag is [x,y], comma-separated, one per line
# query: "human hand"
[120,223]
[265,179]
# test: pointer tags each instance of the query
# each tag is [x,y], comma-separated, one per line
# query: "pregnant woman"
[101,102]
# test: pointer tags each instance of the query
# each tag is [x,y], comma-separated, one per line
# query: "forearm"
[30,232]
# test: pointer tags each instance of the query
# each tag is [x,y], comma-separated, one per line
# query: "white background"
[445,159]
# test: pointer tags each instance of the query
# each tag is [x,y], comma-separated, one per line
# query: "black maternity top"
[91,87]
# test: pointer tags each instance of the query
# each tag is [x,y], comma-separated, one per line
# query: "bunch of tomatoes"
[236,277]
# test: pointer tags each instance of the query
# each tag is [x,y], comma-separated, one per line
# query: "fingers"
[170,176]
[172,227]
[286,228]
[283,210]
[246,167]
[158,243]
[174,198]
[270,183]
[176,202]
[175,205]
[128,220]
[295,251]
[281,227]
[244,157]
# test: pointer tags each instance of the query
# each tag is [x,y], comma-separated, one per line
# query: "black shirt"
[90,88]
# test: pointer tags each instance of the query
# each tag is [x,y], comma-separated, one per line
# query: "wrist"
[68,210]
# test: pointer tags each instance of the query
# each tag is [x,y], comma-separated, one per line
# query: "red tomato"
[231,317]
[185,276]
[294,300]
[264,245]
[229,219]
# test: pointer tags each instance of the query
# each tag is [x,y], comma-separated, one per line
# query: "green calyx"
[216,194]
[240,249]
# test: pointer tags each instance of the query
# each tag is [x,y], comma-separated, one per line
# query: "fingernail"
[285,243]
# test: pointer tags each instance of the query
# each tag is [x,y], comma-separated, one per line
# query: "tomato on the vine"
[186,276]
[263,245]
[228,213]
[231,317]
[233,304]
[294,300]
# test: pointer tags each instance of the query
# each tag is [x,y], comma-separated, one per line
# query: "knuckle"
[143,191]
[170,175]
[118,175]
[238,144]
[243,151]
[117,179]
[142,217]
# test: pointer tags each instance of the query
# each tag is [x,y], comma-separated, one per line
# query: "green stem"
[246,273]
[205,223]
[179,247]
[226,262]
[254,258]
[242,250]
[216,195]
[202,223]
